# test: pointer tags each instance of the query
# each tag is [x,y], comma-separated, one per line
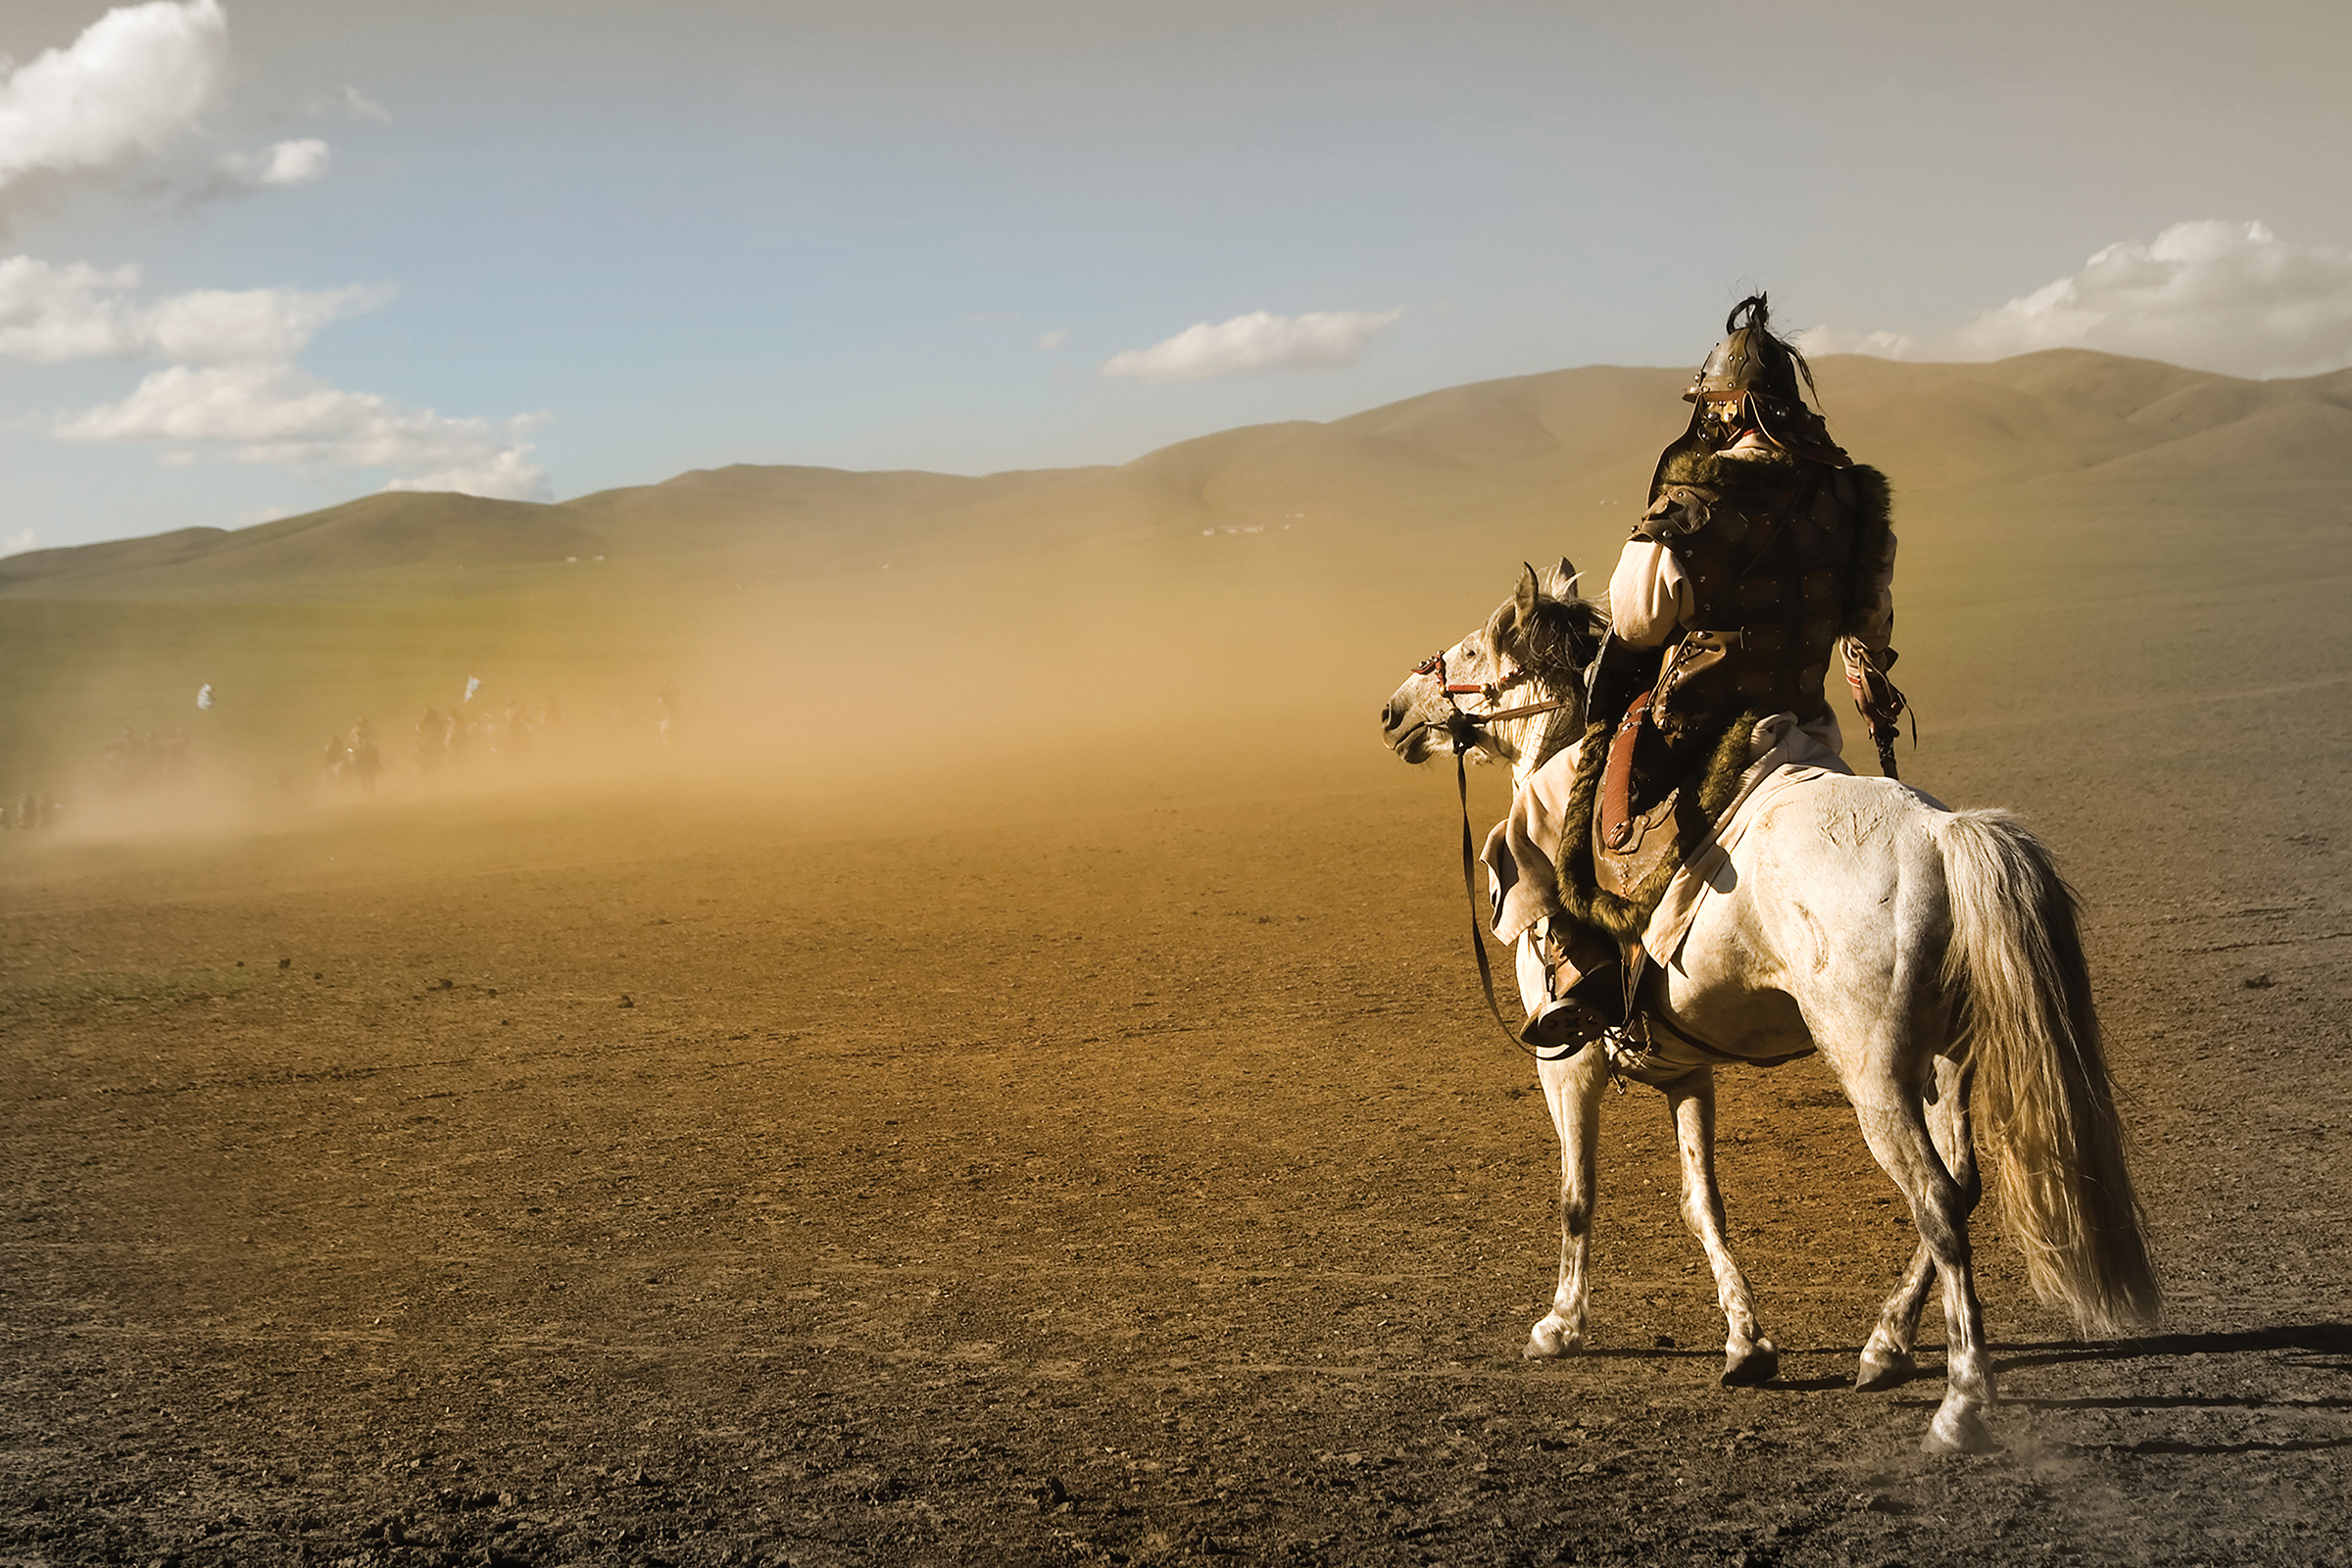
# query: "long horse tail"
[2046,1100]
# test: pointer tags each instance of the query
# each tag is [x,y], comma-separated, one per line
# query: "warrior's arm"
[1874,620]
[1650,595]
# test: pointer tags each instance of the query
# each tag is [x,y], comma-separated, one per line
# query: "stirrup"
[1558,1030]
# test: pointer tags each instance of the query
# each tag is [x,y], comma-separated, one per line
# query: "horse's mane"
[1554,646]
[1562,643]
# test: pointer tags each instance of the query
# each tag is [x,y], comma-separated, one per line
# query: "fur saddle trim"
[1703,800]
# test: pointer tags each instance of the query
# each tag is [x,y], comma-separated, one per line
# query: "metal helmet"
[1751,359]
[1759,373]
[1755,368]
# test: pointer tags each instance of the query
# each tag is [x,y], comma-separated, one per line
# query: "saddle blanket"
[1523,851]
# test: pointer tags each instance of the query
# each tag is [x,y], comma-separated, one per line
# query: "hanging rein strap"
[1478,935]
[1463,727]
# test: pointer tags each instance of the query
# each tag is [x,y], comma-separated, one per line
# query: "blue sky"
[545,248]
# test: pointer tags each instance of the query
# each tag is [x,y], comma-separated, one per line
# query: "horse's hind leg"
[1887,1361]
[1749,1358]
[1896,1125]
[1572,1089]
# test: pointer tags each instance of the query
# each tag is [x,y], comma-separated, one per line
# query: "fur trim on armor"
[1717,472]
[1874,520]
[1704,798]
[1877,497]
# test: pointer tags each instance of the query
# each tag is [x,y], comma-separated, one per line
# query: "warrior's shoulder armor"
[1689,486]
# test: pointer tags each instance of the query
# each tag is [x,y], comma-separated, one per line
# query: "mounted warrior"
[1694,879]
[1764,554]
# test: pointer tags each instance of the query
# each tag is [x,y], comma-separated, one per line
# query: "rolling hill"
[1519,449]
[1254,588]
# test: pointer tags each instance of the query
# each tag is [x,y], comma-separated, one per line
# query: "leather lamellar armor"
[1781,554]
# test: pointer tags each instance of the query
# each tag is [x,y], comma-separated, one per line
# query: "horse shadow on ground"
[2321,1347]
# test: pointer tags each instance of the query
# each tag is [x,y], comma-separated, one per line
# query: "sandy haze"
[1003,1082]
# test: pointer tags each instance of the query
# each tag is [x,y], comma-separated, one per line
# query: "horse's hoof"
[1548,1341]
[1752,1367]
[1956,1429]
[1884,1369]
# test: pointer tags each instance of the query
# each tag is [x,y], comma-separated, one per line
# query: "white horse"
[1921,951]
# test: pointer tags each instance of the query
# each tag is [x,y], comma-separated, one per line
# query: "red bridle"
[1434,665]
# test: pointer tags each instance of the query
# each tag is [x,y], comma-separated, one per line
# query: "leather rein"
[1465,727]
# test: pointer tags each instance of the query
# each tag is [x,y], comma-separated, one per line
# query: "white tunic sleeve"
[1648,595]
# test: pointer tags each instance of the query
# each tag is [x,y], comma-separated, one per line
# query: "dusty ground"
[455,1188]
[1132,1177]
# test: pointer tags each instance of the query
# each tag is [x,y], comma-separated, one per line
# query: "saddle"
[1629,846]
[1638,806]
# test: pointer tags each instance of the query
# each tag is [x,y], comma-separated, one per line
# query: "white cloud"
[284,163]
[136,77]
[2212,295]
[279,414]
[1054,340]
[1880,345]
[507,473]
[15,544]
[217,326]
[50,313]
[348,102]
[1319,340]
[232,387]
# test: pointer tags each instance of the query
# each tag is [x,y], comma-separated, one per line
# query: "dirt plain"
[1061,1160]
[1140,1186]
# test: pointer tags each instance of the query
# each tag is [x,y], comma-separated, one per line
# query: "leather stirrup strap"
[1635,957]
[1617,781]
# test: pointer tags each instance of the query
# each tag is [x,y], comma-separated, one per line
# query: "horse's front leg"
[1749,1358]
[1887,1361]
[1572,1089]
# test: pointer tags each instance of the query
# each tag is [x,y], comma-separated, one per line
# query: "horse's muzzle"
[1413,743]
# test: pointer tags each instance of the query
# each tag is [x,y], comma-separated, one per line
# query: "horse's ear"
[1531,589]
[1563,579]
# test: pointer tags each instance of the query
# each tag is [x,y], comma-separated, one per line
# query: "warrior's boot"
[1584,984]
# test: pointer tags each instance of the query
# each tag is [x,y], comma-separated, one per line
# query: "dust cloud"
[1001,1081]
